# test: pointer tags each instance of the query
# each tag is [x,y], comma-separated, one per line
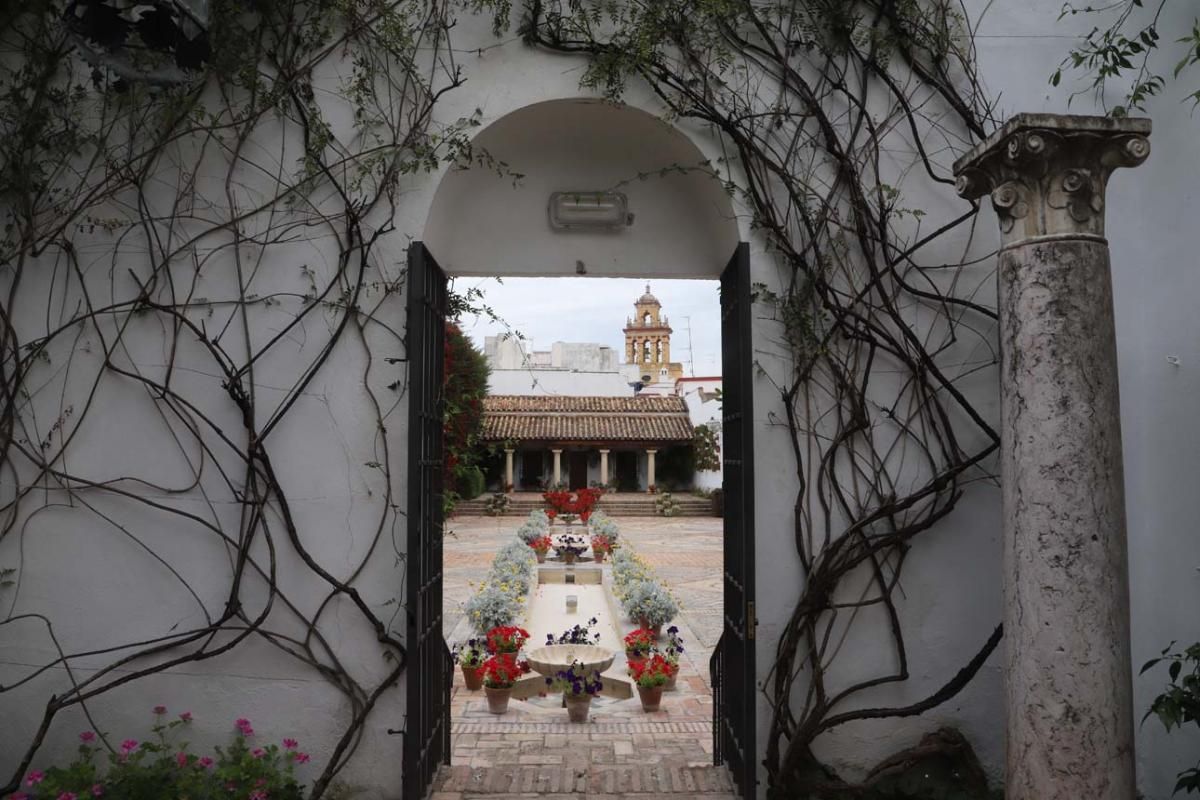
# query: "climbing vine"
[878,326]
[198,203]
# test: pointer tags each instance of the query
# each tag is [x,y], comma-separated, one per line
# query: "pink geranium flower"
[258,752]
[186,716]
[34,778]
[243,726]
[67,796]
[19,796]
[160,710]
[301,758]
[97,790]
[290,744]
[181,759]
[87,737]
[206,762]
[258,794]
[129,745]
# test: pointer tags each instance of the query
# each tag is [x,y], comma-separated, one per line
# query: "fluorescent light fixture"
[589,211]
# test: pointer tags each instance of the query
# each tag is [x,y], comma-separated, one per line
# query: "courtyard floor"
[621,751]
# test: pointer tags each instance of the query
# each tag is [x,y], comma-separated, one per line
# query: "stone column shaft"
[604,467]
[1066,580]
[557,466]
[650,469]
[509,483]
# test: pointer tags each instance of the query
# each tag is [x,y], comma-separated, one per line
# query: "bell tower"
[648,342]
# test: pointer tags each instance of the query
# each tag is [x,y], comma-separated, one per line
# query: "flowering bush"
[506,639]
[628,569]
[653,671]
[640,641]
[490,607]
[502,670]
[514,560]
[471,654]
[573,681]
[579,634]
[649,603]
[161,768]
[528,532]
[542,544]
[580,501]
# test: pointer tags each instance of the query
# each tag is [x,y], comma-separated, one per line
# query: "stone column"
[509,483]
[650,468]
[557,466]
[604,467]
[1066,581]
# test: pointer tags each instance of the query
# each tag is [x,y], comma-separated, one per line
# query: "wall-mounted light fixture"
[589,211]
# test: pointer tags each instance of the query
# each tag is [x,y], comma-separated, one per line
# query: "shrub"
[471,483]
[528,532]
[491,607]
[160,767]
[649,601]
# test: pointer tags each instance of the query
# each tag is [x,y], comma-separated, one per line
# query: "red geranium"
[580,501]
[653,671]
[542,544]
[506,638]
[639,641]
[502,670]
[601,544]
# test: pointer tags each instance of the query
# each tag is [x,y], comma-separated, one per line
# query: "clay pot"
[651,697]
[497,699]
[568,556]
[655,629]
[577,706]
[599,556]
[473,678]
[671,680]
[541,557]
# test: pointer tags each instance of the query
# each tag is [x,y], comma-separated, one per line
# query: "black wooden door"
[427,725]
[732,665]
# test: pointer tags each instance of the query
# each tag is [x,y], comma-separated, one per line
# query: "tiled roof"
[565,419]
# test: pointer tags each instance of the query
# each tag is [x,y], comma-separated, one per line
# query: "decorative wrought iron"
[430,668]
[733,663]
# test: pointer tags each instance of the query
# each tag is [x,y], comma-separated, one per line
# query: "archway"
[484,222]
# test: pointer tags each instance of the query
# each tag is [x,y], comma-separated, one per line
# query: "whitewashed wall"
[476,225]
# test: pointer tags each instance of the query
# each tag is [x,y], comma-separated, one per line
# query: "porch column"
[557,466]
[650,469]
[604,467]
[1066,581]
[509,483]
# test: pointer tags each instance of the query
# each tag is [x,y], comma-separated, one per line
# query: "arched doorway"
[484,222]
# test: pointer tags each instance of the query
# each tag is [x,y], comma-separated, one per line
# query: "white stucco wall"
[951,590]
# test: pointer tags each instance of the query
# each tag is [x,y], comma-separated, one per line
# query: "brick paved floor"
[532,751]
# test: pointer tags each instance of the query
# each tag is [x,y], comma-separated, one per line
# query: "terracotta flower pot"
[577,706]
[599,554]
[473,678]
[671,680]
[568,557]
[497,699]
[541,558]
[651,697]
[655,629]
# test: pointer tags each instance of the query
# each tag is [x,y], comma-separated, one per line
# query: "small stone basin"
[552,658]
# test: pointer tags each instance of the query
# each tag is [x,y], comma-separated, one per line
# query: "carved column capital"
[1047,173]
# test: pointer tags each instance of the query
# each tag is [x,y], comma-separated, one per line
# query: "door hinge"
[751,621]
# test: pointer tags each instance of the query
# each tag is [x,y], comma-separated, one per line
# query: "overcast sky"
[548,310]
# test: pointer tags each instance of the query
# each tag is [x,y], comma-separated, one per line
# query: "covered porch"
[576,442]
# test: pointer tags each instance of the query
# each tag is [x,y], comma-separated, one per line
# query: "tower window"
[646,319]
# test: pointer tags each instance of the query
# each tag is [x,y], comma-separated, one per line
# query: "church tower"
[648,342]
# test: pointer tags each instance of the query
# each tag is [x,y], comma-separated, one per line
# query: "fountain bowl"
[552,658]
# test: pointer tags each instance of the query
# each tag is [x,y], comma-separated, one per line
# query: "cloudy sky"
[548,310]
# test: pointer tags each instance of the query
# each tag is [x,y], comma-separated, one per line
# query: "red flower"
[506,638]
[542,544]
[653,671]
[640,640]
[501,671]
